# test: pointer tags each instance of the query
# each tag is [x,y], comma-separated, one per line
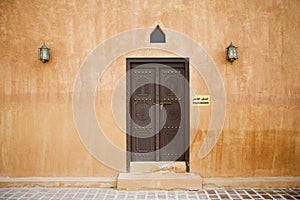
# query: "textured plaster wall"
[261,135]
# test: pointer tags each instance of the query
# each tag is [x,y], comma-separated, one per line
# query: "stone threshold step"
[157,166]
[159,181]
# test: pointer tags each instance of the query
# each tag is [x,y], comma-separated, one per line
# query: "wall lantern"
[231,53]
[44,53]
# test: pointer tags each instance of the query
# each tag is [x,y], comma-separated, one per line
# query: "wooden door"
[157,109]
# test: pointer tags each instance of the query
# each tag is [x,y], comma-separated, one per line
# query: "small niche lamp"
[231,53]
[44,53]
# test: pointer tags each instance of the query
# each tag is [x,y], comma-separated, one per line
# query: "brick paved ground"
[101,193]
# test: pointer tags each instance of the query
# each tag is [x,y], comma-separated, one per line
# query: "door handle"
[164,103]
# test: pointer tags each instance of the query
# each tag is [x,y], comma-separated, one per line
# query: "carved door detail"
[158,110]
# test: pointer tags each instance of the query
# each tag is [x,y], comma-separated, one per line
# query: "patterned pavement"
[39,193]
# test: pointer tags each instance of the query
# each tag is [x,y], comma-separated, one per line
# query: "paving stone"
[102,193]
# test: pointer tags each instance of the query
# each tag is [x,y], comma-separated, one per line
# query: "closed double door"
[158,110]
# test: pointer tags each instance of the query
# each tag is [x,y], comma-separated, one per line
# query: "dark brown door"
[158,109]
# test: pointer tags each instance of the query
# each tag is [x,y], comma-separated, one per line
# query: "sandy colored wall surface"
[261,134]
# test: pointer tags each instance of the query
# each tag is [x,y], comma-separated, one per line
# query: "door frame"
[158,60]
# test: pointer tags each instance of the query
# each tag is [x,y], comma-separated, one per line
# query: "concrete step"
[171,166]
[159,180]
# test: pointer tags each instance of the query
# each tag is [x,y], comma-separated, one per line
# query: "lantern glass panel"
[234,53]
[230,53]
[44,55]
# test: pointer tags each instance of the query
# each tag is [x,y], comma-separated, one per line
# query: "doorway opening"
[157,120]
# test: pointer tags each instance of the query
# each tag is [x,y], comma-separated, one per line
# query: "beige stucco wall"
[261,134]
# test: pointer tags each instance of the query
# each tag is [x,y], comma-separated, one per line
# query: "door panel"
[142,131]
[171,94]
[158,119]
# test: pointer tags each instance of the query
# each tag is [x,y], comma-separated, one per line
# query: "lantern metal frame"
[44,53]
[231,53]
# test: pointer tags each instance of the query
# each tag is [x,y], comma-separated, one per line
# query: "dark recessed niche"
[157,36]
